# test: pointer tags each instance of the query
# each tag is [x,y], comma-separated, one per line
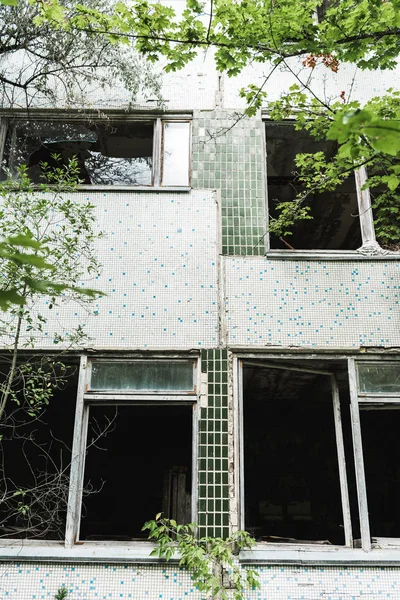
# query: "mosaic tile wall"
[312,303]
[160,271]
[233,162]
[213,491]
[31,581]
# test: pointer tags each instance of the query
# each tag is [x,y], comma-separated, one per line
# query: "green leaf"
[23,240]
[10,297]
[393,182]
[384,136]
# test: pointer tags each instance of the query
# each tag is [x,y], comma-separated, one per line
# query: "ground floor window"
[141,466]
[112,446]
[134,447]
[319,450]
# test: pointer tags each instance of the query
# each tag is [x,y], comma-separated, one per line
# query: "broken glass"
[107,153]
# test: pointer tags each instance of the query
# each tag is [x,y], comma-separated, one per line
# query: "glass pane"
[176,154]
[106,153]
[142,375]
[379,378]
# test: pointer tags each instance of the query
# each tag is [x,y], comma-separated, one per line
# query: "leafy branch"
[212,561]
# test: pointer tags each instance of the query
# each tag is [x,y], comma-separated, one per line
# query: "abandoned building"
[232,378]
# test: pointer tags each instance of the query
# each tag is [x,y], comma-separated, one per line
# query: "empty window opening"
[139,466]
[145,153]
[381,448]
[292,487]
[35,465]
[335,224]
[107,153]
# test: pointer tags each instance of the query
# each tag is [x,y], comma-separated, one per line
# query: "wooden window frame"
[358,400]
[86,398]
[284,363]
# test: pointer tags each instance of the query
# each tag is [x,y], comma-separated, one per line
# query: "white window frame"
[263,361]
[386,550]
[369,247]
[358,401]
[85,398]
[158,141]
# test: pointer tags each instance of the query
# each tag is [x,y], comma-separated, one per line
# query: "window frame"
[369,247]
[358,400]
[350,551]
[284,364]
[11,117]
[85,399]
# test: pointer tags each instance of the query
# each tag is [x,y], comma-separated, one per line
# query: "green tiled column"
[230,156]
[213,516]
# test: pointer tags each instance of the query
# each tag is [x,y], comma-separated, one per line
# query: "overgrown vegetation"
[311,40]
[60,232]
[211,561]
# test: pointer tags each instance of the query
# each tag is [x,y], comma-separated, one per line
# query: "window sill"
[328,555]
[104,552]
[133,188]
[328,255]
[139,552]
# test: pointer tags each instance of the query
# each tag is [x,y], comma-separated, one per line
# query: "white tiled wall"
[32,581]
[160,274]
[312,303]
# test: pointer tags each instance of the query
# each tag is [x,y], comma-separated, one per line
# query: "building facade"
[242,381]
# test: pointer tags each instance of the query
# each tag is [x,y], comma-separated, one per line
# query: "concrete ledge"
[327,555]
[106,552]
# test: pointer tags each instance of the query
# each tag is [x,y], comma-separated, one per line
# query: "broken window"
[136,429]
[154,475]
[107,152]
[35,459]
[295,480]
[320,451]
[376,399]
[335,224]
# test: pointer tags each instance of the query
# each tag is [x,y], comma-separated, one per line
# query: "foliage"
[61,594]
[60,234]
[293,36]
[363,32]
[52,66]
[210,560]
[356,132]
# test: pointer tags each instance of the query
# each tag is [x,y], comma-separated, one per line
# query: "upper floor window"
[122,152]
[335,223]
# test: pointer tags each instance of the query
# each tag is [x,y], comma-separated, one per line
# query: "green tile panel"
[213,493]
[230,156]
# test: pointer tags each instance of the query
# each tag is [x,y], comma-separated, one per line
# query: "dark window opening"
[107,153]
[335,224]
[381,449]
[291,478]
[35,464]
[141,467]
